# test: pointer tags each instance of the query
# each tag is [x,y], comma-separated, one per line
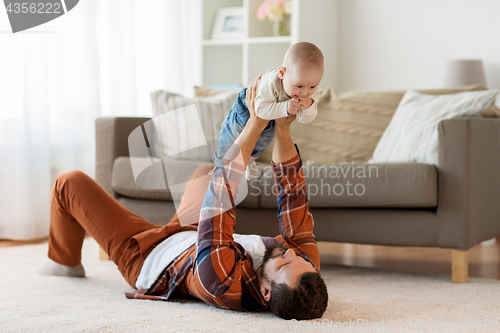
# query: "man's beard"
[267,256]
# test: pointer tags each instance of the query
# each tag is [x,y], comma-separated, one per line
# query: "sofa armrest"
[469,181]
[111,142]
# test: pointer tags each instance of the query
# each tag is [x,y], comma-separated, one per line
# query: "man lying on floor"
[205,260]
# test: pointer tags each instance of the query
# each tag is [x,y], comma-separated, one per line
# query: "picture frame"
[229,23]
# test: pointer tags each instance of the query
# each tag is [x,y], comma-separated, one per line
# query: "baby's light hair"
[303,54]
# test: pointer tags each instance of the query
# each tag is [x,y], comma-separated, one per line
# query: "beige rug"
[361,299]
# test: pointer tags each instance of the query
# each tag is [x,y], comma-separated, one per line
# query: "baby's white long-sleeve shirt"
[271,100]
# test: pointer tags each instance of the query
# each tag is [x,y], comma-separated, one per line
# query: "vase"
[282,27]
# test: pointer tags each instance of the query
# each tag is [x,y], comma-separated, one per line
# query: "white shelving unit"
[238,61]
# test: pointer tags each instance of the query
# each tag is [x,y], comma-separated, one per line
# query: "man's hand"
[284,123]
[293,105]
[305,102]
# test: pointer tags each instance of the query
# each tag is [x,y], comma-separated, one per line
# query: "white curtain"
[102,58]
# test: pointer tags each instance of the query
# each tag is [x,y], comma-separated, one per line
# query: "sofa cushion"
[349,125]
[150,183]
[183,125]
[207,91]
[412,134]
[383,185]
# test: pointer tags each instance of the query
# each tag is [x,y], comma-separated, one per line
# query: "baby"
[290,89]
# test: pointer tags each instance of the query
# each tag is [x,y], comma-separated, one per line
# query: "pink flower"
[262,11]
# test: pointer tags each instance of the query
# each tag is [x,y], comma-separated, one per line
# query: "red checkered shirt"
[217,269]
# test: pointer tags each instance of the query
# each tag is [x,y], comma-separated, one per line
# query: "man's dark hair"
[308,301]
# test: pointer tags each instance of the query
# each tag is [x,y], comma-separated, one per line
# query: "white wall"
[405,44]
[325,35]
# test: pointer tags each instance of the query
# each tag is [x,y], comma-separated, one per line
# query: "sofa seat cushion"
[382,185]
[150,183]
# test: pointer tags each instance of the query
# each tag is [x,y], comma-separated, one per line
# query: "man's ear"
[266,292]
[281,72]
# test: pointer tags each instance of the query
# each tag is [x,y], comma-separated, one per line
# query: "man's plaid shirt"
[218,270]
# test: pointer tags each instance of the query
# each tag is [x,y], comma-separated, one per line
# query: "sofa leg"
[459,266]
[103,255]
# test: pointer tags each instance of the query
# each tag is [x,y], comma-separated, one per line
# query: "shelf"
[240,59]
[265,40]
[229,41]
[252,40]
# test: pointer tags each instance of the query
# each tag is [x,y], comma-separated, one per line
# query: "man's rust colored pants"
[80,204]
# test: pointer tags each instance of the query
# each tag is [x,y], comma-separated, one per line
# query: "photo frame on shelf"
[229,23]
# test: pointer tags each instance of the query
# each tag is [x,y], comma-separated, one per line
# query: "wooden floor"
[483,260]
[7,243]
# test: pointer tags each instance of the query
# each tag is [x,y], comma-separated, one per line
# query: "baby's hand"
[293,106]
[305,102]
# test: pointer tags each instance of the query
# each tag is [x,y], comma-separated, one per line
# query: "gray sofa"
[454,205]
